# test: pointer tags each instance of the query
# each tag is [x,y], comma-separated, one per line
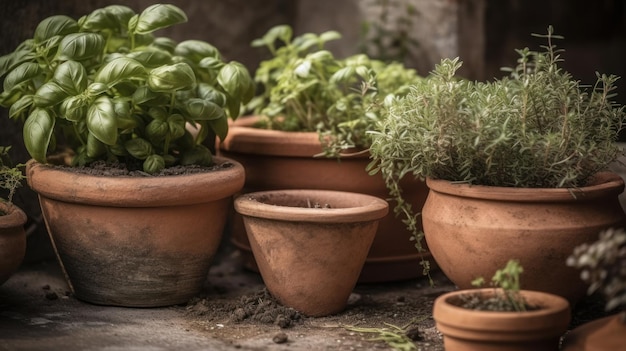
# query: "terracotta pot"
[310,258]
[608,333]
[473,230]
[471,330]
[135,241]
[12,239]
[286,160]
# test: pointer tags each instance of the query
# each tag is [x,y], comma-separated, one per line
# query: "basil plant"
[110,90]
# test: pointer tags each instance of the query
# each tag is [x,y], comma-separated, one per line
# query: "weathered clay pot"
[12,240]
[471,330]
[135,241]
[473,230]
[286,160]
[608,333]
[310,258]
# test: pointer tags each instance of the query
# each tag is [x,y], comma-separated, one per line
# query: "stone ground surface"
[37,312]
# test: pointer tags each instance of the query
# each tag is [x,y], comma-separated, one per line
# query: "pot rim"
[243,137]
[602,184]
[185,189]
[14,216]
[555,313]
[353,207]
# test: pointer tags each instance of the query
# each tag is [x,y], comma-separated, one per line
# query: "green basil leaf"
[37,132]
[199,155]
[164,43]
[55,25]
[211,63]
[21,106]
[236,81]
[169,78]
[95,147]
[120,69]
[102,121]
[74,108]
[220,127]
[99,20]
[329,35]
[343,75]
[282,32]
[153,164]
[95,89]
[71,76]
[49,94]
[80,46]
[157,130]
[139,148]
[203,110]
[196,50]
[176,125]
[209,93]
[121,13]
[152,57]
[22,73]
[159,16]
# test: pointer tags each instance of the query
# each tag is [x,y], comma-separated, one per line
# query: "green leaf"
[159,16]
[157,130]
[95,147]
[176,125]
[80,46]
[209,93]
[55,25]
[22,73]
[37,133]
[203,110]
[102,121]
[199,155]
[121,13]
[329,36]
[220,127]
[71,77]
[196,50]
[21,106]
[343,75]
[122,68]
[139,148]
[169,78]
[164,43]
[236,81]
[153,164]
[23,53]
[152,57]
[282,32]
[49,94]
[74,108]
[99,20]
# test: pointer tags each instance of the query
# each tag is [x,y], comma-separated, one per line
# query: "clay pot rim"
[554,307]
[172,190]
[14,216]
[365,208]
[244,137]
[601,185]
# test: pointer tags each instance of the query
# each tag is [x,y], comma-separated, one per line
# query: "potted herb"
[603,266]
[503,317]
[108,90]
[12,218]
[310,245]
[516,167]
[308,131]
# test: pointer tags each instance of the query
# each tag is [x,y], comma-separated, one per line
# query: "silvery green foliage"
[603,266]
[10,176]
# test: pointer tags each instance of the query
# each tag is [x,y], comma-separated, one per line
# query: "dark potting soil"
[107,169]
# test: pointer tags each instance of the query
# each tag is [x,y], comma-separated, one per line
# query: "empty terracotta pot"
[472,330]
[12,239]
[310,245]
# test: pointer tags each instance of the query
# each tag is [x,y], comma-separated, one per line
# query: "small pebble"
[280,338]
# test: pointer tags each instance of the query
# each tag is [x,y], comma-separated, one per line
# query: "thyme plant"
[11,176]
[537,127]
[507,296]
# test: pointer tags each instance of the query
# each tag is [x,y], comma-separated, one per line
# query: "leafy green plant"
[537,127]
[603,266]
[110,90]
[305,88]
[506,282]
[11,176]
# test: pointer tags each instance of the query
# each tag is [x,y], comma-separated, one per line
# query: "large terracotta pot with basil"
[135,241]
[471,229]
[291,160]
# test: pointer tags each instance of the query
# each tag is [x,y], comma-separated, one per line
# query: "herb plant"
[110,90]
[305,88]
[507,296]
[11,176]
[603,266]
[538,127]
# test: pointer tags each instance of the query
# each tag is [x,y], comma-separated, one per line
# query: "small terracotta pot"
[310,258]
[12,239]
[608,333]
[471,330]
[135,241]
[472,230]
[287,160]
